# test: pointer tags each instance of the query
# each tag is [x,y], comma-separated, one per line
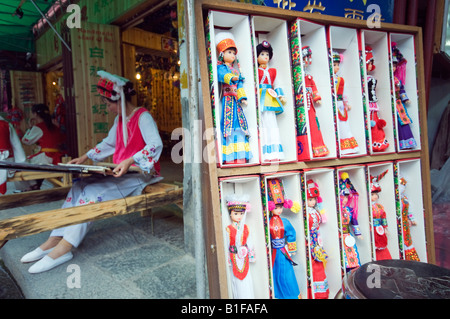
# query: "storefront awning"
[17,19]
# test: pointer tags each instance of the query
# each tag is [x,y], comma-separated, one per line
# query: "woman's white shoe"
[35,255]
[48,263]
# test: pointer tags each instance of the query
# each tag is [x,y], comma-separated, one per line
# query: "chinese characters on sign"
[352,9]
[96,48]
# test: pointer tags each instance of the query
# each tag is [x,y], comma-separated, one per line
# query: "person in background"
[10,149]
[47,136]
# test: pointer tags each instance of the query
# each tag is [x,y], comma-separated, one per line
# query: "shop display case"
[291,34]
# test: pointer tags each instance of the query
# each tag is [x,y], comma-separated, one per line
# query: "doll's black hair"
[264,46]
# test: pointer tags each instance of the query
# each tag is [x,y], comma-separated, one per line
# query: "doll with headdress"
[347,141]
[405,135]
[407,221]
[379,142]
[316,216]
[379,220]
[240,247]
[233,123]
[348,198]
[271,102]
[319,148]
[283,239]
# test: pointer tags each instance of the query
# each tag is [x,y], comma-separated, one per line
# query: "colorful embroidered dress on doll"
[379,142]
[348,143]
[405,135]
[10,150]
[48,141]
[348,219]
[379,225]
[283,239]
[379,221]
[348,197]
[233,123]
[407,219]
[319,256]
[319,148]
[240,258]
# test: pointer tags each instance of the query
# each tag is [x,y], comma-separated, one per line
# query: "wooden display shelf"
[215,250]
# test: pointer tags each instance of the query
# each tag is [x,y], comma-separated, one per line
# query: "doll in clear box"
[233,123]
[379,220]
[271,102]
[379,141]
[283,239]
[316,216]
[312,96]
[348,198]
[405,135]
[407,222]
[348,143]
[240,247]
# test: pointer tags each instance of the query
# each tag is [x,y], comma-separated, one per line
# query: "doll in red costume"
[315,215]
[379,142]
[380,224]
[240,247]
[319,148]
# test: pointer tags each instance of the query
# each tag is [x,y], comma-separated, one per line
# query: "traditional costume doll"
[379,219]
[348,143]
[316,216]
[348,198]
[133,140]
[240,248]
[283,242]
[319,148]
[405,135]
[10,150]
[271,102]
[379,142]
[233,123]
[407,221]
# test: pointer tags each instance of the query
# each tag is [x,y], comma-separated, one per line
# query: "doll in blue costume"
[233,123]
[283,239]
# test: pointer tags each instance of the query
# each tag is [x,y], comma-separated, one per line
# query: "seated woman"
[133,140]
[47,136]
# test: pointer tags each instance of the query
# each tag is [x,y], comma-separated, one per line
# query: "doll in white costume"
[240,247]
[379,142]
[348,143]
[271,103]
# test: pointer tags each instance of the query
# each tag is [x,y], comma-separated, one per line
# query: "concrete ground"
[125,257]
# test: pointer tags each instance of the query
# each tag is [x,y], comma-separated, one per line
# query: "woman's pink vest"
[135,140]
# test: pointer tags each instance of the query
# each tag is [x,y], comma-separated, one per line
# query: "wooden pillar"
[399,11]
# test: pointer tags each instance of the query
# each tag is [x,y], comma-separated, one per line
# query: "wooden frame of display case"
[215,255]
